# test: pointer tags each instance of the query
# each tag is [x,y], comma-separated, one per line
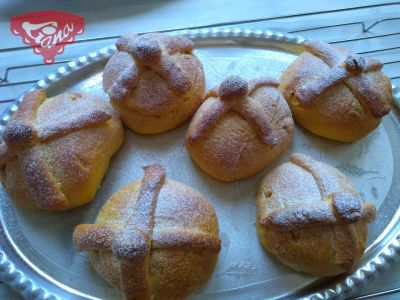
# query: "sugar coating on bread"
[154,80]
[153,51]
[29,137]
[232,94]
[341,210]
[344,67]
[233,88]
[156,218]
[336,94]
[256,103]
[325,207]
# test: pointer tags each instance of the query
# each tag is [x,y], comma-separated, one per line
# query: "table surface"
[113,18]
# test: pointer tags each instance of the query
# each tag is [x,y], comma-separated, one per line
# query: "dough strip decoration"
[22,134]
[235,94]
[132,244]
[156,52]
[347,68]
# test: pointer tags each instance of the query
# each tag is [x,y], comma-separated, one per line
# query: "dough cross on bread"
[339,208]
[347,68]
[336,207]
[235,94]
[132,244]
[23,133]
[153,51]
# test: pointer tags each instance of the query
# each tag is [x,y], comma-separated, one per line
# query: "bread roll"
[154,81]
[55,151]
[240,128]
[336,94]
[312,218]
[153,239]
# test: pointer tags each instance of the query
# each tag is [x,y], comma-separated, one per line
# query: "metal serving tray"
[37,258]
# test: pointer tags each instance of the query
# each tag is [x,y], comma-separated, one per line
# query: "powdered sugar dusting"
[174,224]
[145,50]
[255,84]
[44,120]
[17,132]
[337,221]
[207,119]
[91,237]
[175,75]
[252,112]
[347,206]
[306,94]
[92,118]
[349,69]
[307,214]
[119,90]
[328,179]
[265,112]
[233,88]
[185,239]
[131,245]
[340,202]
[45,190]
[179,44]
[162,77]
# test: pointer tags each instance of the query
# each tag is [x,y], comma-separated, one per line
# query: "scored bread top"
[235,94]
[354,71]
[132,243]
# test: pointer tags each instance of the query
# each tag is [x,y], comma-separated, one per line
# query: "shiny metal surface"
[37,259]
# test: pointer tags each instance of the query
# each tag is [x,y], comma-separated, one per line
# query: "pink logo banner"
[47,31]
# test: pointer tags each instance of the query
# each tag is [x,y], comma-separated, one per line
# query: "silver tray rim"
[28,287]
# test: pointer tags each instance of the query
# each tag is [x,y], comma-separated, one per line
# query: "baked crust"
[240,128]
[154,239]
[56,150]
[155,81]
[336,94]
[317,227]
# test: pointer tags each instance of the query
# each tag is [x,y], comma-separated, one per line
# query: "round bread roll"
[240,128]
[153,239]
[336,94]
[312,218]
[55,151]
[154,81]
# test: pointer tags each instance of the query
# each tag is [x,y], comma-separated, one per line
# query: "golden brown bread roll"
[55,151]
[312,218]
[154,239]
[154,81]
[240,128]
[336,94]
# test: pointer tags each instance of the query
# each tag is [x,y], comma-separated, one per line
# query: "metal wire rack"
[364,35]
